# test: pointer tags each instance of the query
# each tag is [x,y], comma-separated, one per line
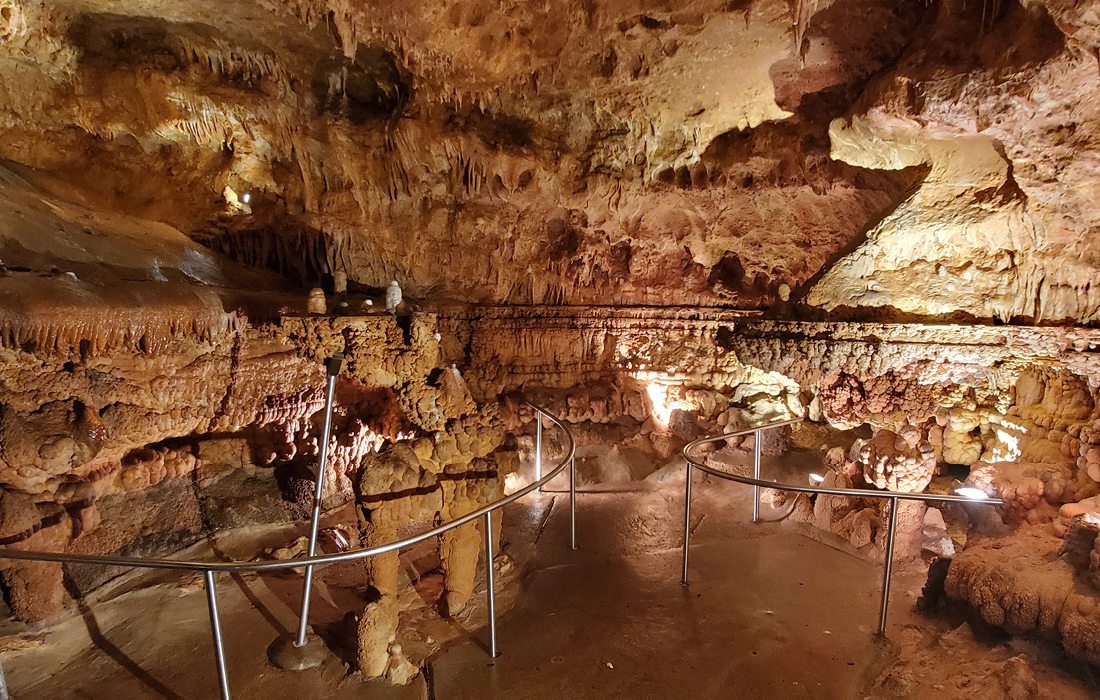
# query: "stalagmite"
[393,297]
[458,551]
[317,303]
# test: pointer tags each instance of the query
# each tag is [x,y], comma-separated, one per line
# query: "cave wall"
[1002,224]
[507,347]
[658,219]
[1011,410]
[154,392]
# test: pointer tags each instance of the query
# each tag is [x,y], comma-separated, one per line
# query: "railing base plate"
[286,655]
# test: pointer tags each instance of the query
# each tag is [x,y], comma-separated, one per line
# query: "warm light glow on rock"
[657,387]
[512,483]
[658,397]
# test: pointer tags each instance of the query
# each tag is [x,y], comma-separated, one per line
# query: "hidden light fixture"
[971,492]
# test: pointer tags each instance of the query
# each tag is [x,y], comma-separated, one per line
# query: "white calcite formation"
[898,461]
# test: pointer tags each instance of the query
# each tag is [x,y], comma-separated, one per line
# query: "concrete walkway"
[770,613]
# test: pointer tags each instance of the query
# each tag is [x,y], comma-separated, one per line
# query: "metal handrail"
[211,568]
[691,462]
[297,563]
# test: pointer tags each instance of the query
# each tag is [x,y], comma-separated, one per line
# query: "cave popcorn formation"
[656,221]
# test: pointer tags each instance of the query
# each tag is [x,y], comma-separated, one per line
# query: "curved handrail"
[757,483]
[210,569]
[828,490]
[318,560]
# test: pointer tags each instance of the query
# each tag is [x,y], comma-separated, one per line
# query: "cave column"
[378,622]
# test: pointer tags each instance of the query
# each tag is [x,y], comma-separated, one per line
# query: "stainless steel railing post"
[490,584]
[216,631]
[332,366]
[538,446]
[573,502]
[756,475]
[891,529]
[687,522]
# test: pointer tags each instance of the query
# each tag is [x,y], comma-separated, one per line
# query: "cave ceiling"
[864,157]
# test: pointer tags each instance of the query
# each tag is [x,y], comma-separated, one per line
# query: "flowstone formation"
[409,445]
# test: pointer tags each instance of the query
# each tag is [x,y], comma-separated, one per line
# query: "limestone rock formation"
[970,112]
[1036,592]
[436,479]
[658,220]
[898,462]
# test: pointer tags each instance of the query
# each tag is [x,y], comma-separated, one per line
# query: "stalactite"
[74,334]
[803,12]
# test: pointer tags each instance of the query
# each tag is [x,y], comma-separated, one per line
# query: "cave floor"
[770,613]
